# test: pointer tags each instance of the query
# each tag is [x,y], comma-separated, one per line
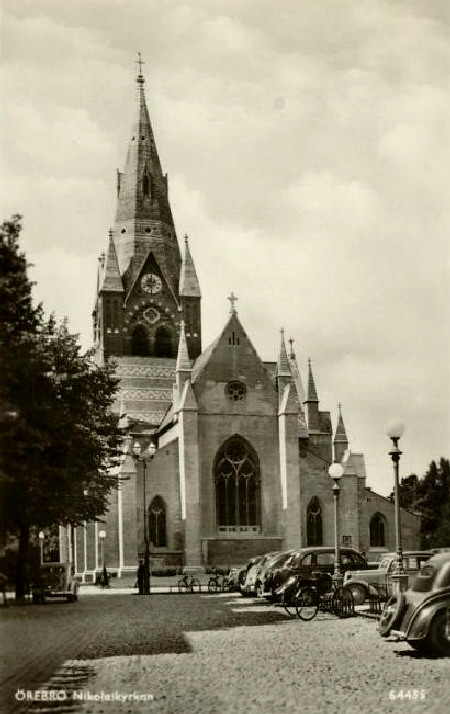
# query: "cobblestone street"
[207,654]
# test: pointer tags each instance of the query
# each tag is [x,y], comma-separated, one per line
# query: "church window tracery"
[377,530]
[236,391]
[237,476]
[314,530]
[157,522]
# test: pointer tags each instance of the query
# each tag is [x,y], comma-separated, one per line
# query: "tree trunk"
[23,565]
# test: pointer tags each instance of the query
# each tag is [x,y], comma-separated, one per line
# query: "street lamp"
[41,536]
[394,432]
[335,472]
[139,456]
[102,536]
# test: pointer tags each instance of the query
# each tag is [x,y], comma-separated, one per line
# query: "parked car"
[249,586]
[234,578]
[264,582]
[319,559]
[55,580]
[361,581]
[421,615]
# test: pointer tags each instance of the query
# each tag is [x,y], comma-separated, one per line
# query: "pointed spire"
[189,285]
[341,434]
[312,393]
[183,361]
[111,279]
[296,374]
[283,369]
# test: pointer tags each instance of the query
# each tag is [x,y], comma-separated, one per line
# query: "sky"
[307,147]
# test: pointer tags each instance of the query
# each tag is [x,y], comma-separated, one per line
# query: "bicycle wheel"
[306,604]
[342,602]
[182,586]
[213,586]
[289,600]
[195,585]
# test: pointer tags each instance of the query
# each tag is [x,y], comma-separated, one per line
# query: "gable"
[232,358]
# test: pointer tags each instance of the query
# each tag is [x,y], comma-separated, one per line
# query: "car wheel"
[359,593]
[438,640]
[391,614]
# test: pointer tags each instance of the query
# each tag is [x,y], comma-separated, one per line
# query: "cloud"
[307,146]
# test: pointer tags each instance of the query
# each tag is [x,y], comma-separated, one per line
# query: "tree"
[430,496]
[59,439]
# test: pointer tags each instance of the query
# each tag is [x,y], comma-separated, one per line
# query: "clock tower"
[145,286]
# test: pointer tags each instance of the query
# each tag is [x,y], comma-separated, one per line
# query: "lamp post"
[102,536]
[41,544]
[139,456]
[335,472]
[394,432]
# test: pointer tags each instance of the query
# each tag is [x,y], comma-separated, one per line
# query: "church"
[226,456]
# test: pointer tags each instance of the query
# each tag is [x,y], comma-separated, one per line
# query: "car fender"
[419,624]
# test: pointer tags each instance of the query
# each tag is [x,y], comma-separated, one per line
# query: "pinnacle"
[283,369]
[312,392]
[183,361]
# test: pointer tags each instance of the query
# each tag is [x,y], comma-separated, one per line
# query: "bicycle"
[319,593]
[218,583]
[188,584]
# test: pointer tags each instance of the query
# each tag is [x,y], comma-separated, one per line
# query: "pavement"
[204,654]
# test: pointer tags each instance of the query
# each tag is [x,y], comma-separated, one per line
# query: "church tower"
[145,286]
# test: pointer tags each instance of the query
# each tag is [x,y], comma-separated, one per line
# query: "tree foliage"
[58,435]
[430,496]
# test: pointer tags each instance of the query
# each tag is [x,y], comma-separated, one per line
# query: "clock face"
[151,283]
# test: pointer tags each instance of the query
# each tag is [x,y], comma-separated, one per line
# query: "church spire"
[144,220]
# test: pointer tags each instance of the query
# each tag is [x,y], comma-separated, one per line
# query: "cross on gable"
[232,300]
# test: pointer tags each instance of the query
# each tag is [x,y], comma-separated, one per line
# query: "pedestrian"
[140,577]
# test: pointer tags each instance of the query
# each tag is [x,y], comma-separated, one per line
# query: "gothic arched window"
[139,342]
[163,343]
[157,523]
[314,535]
[377,531]
[237,477]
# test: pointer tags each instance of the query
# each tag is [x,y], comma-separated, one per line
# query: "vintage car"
[249,586]
[55,580]
[318,560]
[378,581]
[264,581]
[421,615]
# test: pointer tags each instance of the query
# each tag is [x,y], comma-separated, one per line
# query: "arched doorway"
[314,531]
[238,480]
[163,343]
[139,342]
